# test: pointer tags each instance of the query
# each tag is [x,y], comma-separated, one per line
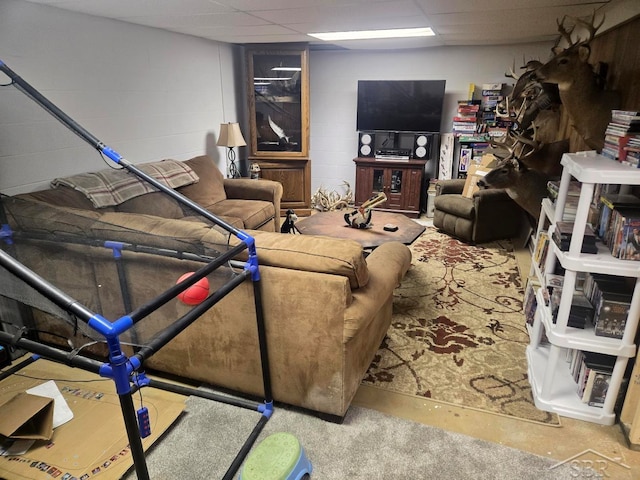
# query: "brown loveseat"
[326,306]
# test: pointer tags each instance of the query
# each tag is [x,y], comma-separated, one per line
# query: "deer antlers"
[566,33]
[329,201]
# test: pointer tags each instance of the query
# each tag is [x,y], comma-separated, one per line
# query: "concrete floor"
[588,446]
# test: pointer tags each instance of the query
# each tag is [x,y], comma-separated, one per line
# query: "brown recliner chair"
[489,215]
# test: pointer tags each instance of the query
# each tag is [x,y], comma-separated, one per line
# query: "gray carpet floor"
[368,445]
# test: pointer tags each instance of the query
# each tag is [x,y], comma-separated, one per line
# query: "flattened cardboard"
[95,441]
[27,417]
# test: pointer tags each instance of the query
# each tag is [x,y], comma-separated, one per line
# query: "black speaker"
[422,144]
[366,144]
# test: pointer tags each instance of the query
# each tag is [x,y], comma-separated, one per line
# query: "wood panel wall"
[619,49]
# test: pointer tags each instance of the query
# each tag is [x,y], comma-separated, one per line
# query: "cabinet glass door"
[378,181]
[396,181]
[278,90]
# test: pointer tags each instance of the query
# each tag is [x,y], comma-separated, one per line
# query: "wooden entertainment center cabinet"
[400,180]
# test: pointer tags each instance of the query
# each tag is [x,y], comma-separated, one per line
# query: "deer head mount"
[525,186]
[586,103]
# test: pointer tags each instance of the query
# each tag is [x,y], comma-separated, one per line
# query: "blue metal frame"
[121,368]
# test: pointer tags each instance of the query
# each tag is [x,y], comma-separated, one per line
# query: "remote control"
[390,227]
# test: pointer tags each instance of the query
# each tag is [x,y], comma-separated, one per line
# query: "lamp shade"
[230,135]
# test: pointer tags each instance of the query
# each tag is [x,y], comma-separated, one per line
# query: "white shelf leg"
[547,384]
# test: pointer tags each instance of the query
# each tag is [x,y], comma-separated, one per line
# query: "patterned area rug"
[458,333]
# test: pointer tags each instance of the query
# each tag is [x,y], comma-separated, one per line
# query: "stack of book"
[622,137]
[465,122]
[592,373]
[491,97]
[581,312]
[562,237]
[611,299]
[573,196]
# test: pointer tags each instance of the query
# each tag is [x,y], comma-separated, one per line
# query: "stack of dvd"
[562,237]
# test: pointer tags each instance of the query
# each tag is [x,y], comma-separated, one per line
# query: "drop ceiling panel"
[457,22]
[450,6]
[379,10]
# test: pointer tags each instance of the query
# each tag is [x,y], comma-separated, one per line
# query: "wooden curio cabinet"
[278,92]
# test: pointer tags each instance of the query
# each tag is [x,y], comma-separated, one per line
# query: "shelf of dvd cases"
[554,388]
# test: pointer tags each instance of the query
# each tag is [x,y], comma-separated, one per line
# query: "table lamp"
[231,136]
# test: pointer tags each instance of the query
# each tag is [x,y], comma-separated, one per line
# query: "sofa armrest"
[255,189]
[448,187]
[312,253]
[249,189]
[491,195]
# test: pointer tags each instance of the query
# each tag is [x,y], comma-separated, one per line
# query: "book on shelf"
[630,243]
[465,126]
[609,295]
[553,187]
[592,373]
[599,389]
[540,253]
[563,232]
[623,229]
[530,303]
[581,311]
[465,118]
[625,117]
[610,201]
[553,280]
[466,155]
[617,145]
[612,314]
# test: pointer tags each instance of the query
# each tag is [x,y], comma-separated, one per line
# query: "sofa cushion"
[253,213]
[154,203]
[210,189]
[311,253]
[149,230]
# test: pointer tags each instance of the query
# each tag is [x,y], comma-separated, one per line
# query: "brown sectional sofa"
[326,306]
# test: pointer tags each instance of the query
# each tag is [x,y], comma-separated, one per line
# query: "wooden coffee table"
[332,224]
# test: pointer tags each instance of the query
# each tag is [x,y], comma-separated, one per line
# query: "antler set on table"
[329,201]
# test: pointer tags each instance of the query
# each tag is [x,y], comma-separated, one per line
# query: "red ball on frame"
[196,293]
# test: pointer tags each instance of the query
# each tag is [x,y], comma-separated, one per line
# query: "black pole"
[54,294]
[182,390]
[53,353]
[10,371]
[45,103]
[262,339]
[244,451]
[135,442]
[144,310]
[76,128]
[165,336]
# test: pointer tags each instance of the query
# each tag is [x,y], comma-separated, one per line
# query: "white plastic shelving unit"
[553,387]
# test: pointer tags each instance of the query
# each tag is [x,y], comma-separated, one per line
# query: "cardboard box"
[27,417]
[475,173]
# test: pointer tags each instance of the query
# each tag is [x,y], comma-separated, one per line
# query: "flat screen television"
[400,105]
